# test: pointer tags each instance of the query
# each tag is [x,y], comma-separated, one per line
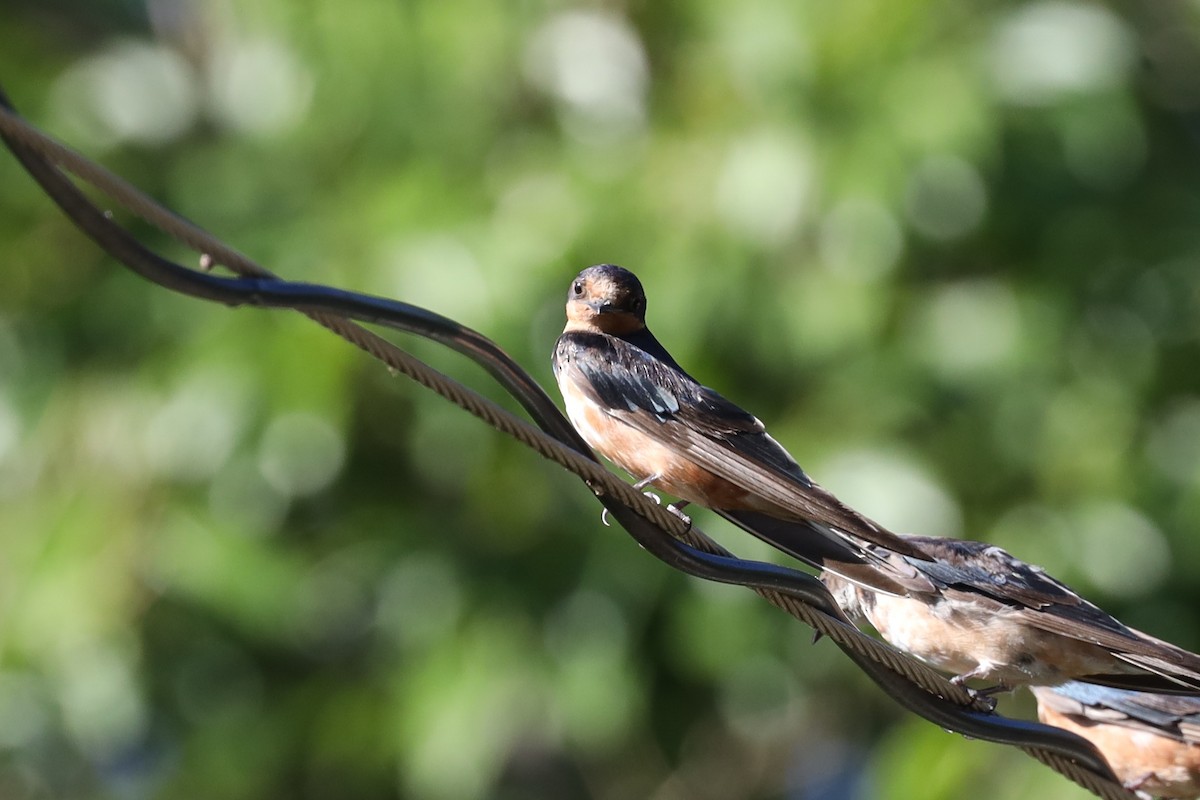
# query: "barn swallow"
[1151,741]
[966,607]
[631,401]
[994,617]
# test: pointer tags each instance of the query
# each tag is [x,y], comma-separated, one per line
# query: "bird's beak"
[599,306]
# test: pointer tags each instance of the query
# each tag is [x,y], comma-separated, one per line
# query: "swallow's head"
[607,298]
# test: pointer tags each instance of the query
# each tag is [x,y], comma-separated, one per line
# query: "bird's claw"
[982,696]
[985,696]
[674,509]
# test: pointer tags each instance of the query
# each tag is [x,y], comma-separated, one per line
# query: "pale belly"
[963,638]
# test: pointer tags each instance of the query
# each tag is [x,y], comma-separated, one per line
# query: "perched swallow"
[1151,741]
[633,403]
[990,616]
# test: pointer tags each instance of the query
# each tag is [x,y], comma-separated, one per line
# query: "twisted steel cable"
[668,536]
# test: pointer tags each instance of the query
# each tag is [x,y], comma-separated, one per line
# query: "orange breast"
[642,455]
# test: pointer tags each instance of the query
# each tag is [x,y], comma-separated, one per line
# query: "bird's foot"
[986,698]
[644,482]
[981,671]
[988,693]
[657,501]
[684,518]
[674,508]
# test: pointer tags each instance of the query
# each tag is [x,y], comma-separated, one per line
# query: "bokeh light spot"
[1126,553]
[945,198]
[890,486]
[1045,50]
[593,63]
[131,92]
[258,86]
[1173,446]
[970,328]
[764,186]
[860,239]
[102,705]
[194,432]
[420,600]
[300,454]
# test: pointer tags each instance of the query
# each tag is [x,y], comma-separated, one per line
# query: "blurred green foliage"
[948,251]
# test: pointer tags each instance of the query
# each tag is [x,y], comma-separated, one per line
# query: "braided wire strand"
[602,481]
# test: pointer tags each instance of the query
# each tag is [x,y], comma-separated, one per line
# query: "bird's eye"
[577,288]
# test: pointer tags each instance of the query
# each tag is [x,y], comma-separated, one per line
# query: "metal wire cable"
[913,684]
[590,470]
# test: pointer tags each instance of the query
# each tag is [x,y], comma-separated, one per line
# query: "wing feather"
[653,395]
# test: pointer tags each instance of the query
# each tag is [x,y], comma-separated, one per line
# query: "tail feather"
[1160,676]
[818,547]
[1146,682]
